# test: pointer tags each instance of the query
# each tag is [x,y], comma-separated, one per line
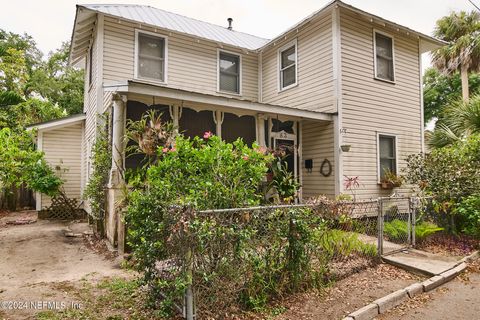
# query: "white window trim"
[165,76]
[388,135]
[239,72]
[279,64]
[375,31]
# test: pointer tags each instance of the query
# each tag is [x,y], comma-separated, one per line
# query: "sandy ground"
[349,294]
[35,258]
[458,299]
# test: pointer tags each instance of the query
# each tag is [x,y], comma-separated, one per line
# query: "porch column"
[218,119]
[261,129]
[118,140]
[115,227]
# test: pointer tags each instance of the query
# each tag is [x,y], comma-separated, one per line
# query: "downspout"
[422,115]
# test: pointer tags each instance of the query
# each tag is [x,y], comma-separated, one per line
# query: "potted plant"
[391,180]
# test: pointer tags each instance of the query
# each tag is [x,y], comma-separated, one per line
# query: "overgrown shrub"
[96,189]
[21,164]
[450,174]
[468,210]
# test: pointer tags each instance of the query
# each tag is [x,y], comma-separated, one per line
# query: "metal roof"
[175,22]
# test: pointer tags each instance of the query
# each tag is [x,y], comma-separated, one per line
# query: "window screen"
[288,65]
[234,127]
[388,157]
[384,56]
[229,69]
[194,123]
[151,57]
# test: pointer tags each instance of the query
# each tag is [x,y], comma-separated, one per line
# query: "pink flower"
[245,158]
[165,150]
[173,149]
[207,135]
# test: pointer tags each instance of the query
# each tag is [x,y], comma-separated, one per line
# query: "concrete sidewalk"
[421,262]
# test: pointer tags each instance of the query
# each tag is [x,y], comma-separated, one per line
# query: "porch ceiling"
[142,88]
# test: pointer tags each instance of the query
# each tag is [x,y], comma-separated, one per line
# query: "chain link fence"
[224,261]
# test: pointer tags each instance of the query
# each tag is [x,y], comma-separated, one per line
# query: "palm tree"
[461,119]
[462,53]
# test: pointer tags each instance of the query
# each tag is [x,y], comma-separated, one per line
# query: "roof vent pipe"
[230,20]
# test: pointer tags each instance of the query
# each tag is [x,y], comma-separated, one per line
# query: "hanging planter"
[345,147]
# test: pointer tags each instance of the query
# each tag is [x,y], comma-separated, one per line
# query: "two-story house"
[342,89]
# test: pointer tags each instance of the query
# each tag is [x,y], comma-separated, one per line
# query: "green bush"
[397,230]
[450,174]
[22,164]
[199,173]
[468,211]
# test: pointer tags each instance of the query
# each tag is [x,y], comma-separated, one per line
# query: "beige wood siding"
[315,69]
[317,144]
[63,149]
[371,106]
[192,64]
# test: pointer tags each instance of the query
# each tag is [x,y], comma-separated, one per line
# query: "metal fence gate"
[396,224]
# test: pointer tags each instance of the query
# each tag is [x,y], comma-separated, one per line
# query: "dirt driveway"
[35,257]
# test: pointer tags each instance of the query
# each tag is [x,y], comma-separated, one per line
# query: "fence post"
[189,291]
[380,228]
[189,308]
[414,218]
[409,222]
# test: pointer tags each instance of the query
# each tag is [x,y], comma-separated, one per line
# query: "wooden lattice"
[62,208]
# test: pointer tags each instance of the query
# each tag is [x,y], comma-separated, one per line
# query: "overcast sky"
[50,21]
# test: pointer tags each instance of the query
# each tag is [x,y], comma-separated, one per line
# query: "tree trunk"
[464,77]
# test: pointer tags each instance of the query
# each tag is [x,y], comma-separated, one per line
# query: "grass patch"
[111,299]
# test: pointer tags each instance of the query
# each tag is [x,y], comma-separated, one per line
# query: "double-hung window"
[384,64]
[229,72]
[387,155]
[288,66]
[151,56]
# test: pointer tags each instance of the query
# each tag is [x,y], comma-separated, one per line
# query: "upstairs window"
[384,57]
[150,57]
[288,66]
[387,158]
[229,72]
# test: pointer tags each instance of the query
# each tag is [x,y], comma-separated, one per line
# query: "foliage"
[101,159]
[283,181]
[14,73]
[440,89]
[22,164]
[29,112]
[450,174]
[391,178]
[58,82]
[460,120]
[351,184]
[148,135]
[461,31]
[25,75]
[468,212]
[397,230]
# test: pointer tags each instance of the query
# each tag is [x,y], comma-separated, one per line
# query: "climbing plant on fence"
[101,159]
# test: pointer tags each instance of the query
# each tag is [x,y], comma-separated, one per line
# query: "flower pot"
[345,147]
[387,185]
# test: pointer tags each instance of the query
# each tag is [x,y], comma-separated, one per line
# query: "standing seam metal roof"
[175,22]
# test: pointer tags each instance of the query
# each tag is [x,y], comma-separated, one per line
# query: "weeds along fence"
[231,260]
